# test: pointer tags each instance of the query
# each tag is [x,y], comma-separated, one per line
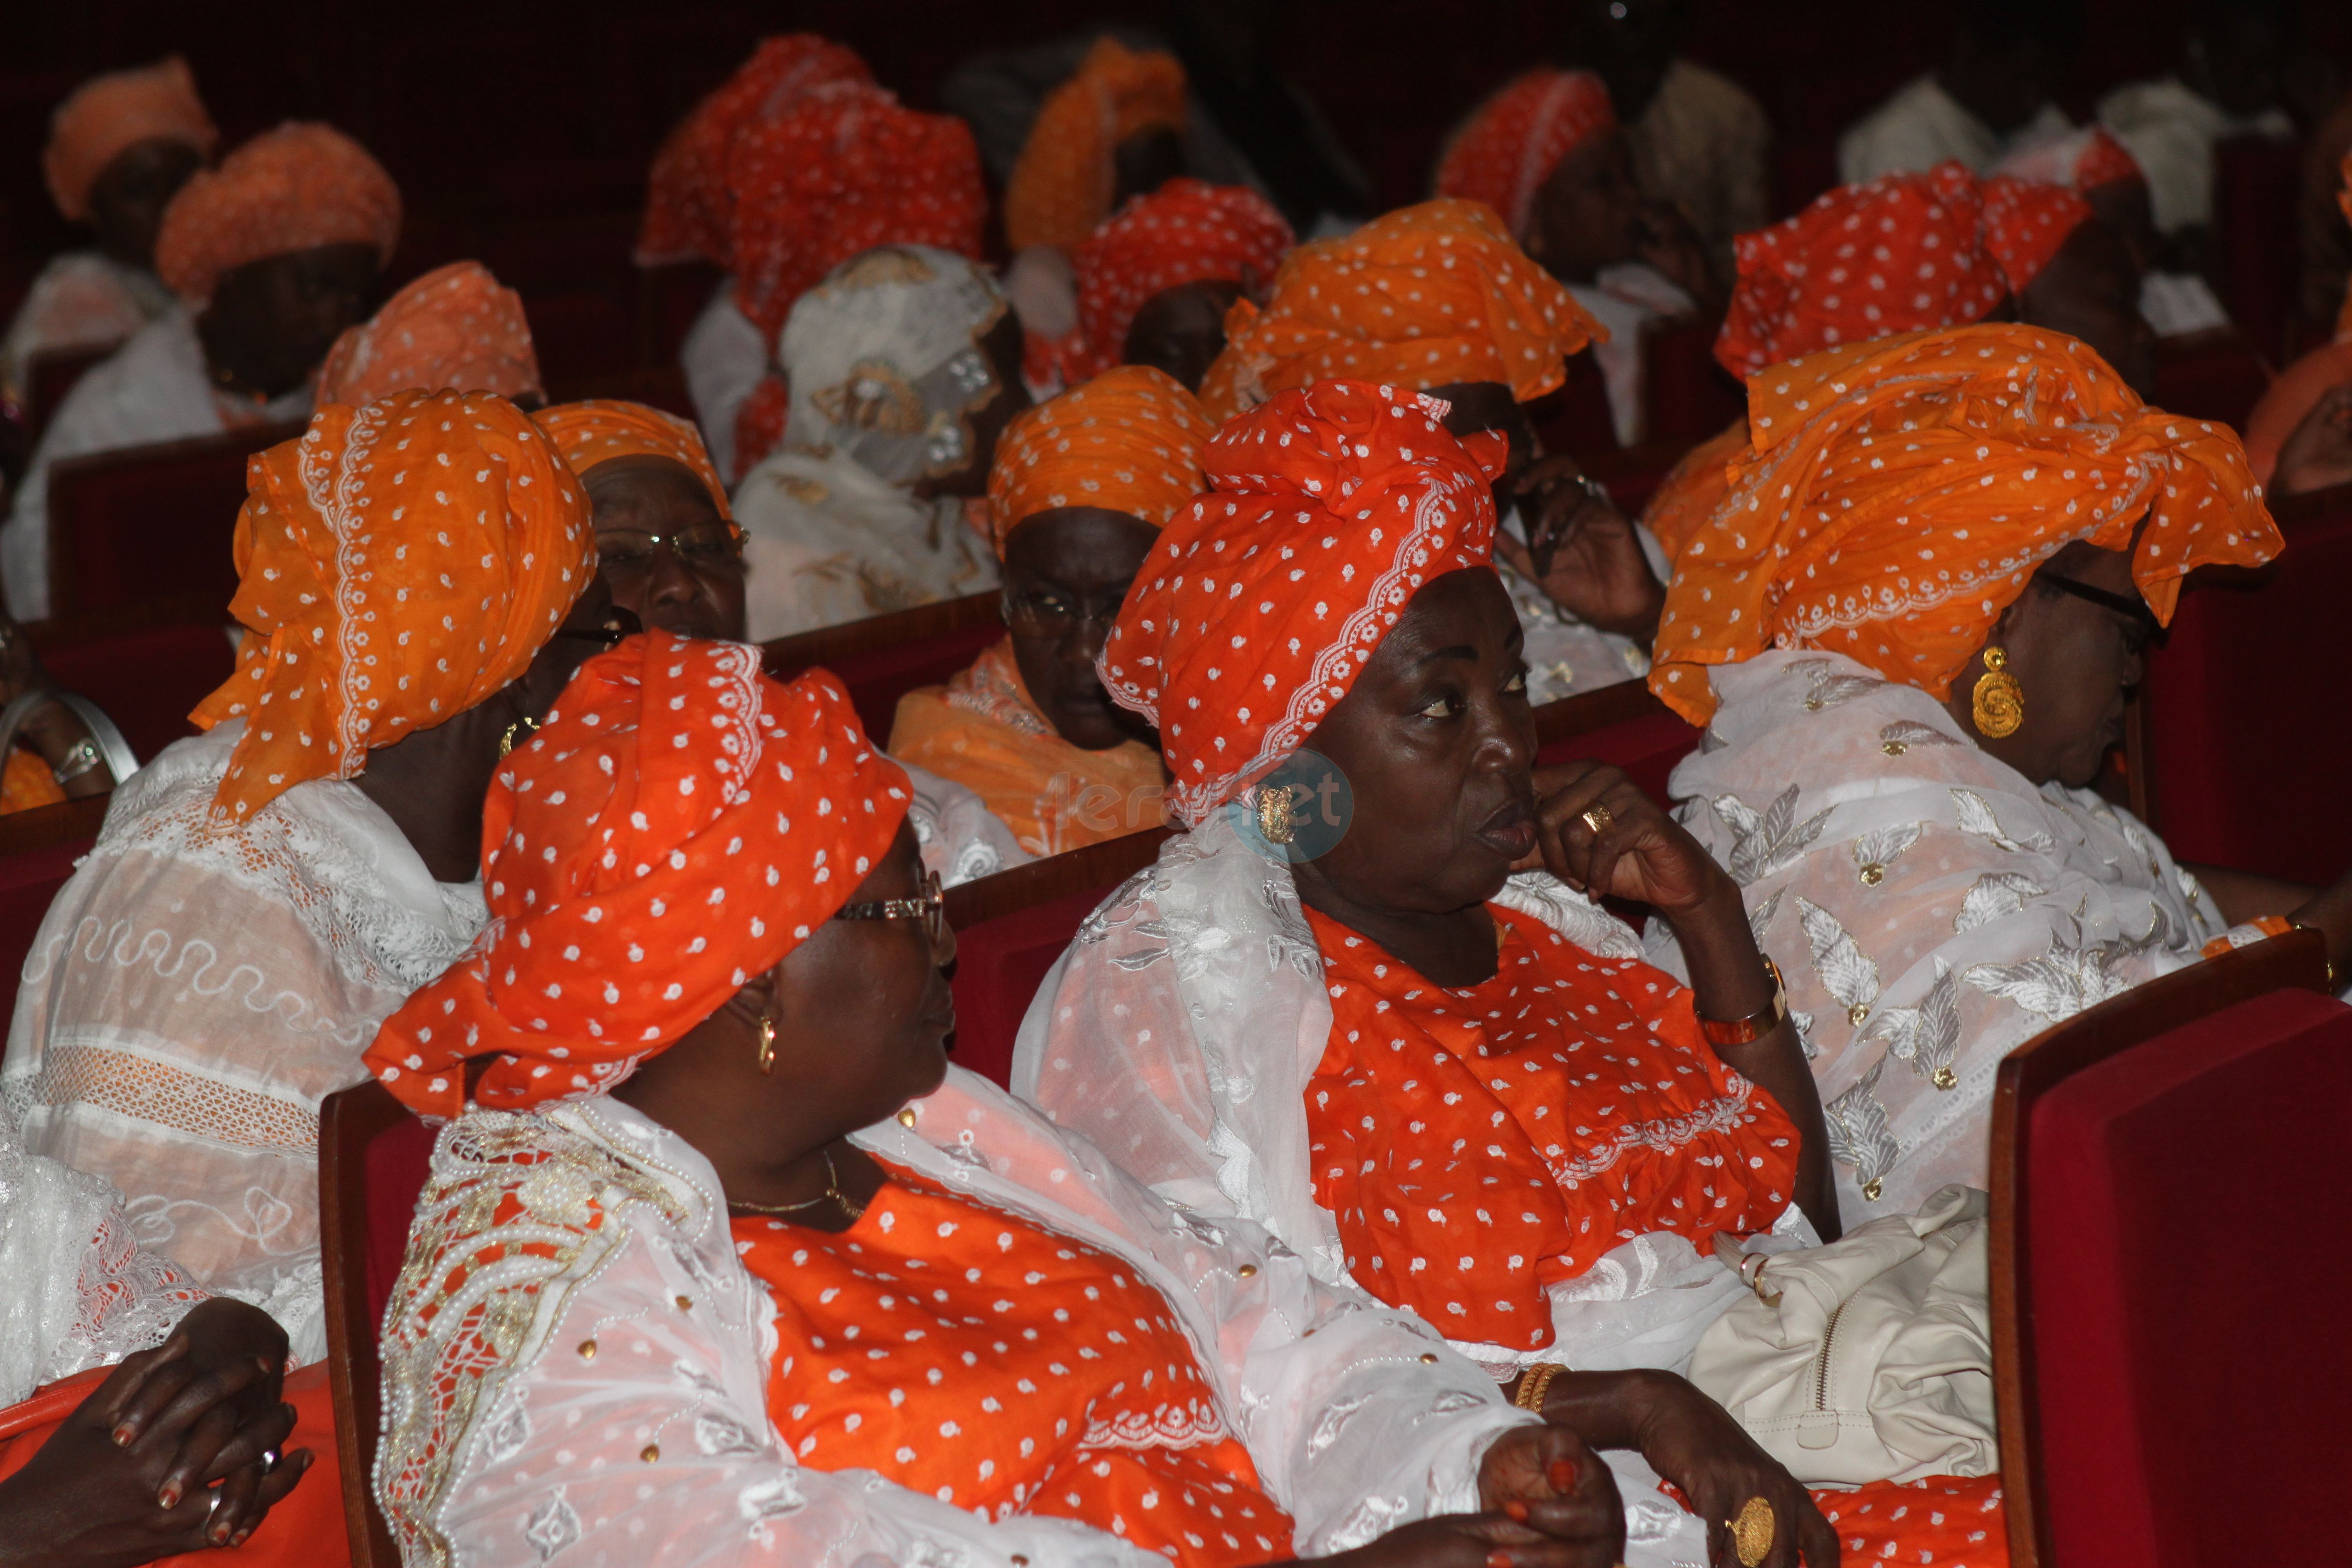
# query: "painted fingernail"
[1499,1560]
[239,1539]
[1563,1474]
[123,1434]
[218,1535]
[1515,1511]
[170,1496]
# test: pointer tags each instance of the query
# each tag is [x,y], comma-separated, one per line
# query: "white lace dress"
[1929,909]
[191,999]
[600,1393]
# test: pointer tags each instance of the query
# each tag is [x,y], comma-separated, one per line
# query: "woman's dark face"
[1181,329]
[128,198]
[1066,572]
[1002,346]
[2090,290]
[1588,216]
[863,1009]
[2075,663]
[664,548]
[272,321]
[1437,744]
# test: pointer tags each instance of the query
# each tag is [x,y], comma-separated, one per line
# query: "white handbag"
[1871,1358]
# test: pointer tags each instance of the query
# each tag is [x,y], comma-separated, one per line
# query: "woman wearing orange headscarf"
[2299,436]
[1909,630]
[416,581]
[1081,487]
[722,1263]
[456,328]
[666,540]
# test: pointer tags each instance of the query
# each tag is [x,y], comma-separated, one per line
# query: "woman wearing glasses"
[720,1262]
[1079,493]
[1910,631]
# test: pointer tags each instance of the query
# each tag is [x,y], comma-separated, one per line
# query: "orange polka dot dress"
[1476,1144]
[1950,1522]
[963,1351]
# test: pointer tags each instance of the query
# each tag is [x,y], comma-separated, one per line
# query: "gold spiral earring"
[1273,822]
[520,729]
[767,1042]
[1998,705]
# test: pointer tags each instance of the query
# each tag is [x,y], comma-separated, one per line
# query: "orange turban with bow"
[1898,494]
[108,114]
[397,564]
[1129,440]
[1061,186]
[1328,509]
[1427,296]
[1515,140]
[295,188]
[678,825]
[454,328]
[599,429]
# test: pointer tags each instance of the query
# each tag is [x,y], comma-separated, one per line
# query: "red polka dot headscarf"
[1517,138]
[1898,494]
[678,825]
[1891,254]
[2025,223]
[1328,508]
[1188,231]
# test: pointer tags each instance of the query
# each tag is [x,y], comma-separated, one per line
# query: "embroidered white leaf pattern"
[1826,689]
[1975,814]
[2072,976]
[1905,733]
[1876,849]
[1847,972]
[1769,841]
[1760,917]
[1859,1135]
[1927,1036]
[1996,895]
[1805,1022]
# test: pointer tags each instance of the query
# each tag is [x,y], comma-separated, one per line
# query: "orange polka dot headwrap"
[689,209]
[295,188]
[1328,508]
[1188,231]
[1891,254]
[455,327]
[679,823]
[1898,494]
[1517,137]
[1061,186]
[108,114]
[397,564]
[596,428]
[2025,223]
[1427,296]
[1129,440]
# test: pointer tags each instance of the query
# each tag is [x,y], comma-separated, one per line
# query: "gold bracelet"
[1534,1383]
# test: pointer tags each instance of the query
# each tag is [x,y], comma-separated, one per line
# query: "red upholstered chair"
[2214,375]
[147,670]
[373,1157]
[2243,769]
[38,851]
[1623,724]
[883,659]
[2168,1275]
[151,523]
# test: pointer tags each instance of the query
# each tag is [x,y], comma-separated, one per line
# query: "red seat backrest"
[1646,746]
[147,680]
[398,1160]
[881,660]
[2187,1280]
[28,885]
[2239,771]
[151,523]
[877,679]
[999,966]
[2218,378]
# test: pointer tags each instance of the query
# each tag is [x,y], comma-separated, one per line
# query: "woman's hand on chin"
[1598,830]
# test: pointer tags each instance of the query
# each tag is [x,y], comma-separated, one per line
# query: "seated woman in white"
[721,1263]
[262,895]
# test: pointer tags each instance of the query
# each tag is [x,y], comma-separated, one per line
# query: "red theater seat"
[2167,1279]
[38,851]
[882,659]
[2211,376]
[150,524]
[148,677]
[373,1157]
[1623,724]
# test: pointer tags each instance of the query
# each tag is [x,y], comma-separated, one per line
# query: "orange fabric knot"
[967,1352]
[295,188]
[454,328]
[1694,488]
[106,115]
[1129,440]
[1427,296]
[1476,1145]
[679,823]
[597,430]
[395,564]
[1517,138]
[689,209]
[1188,231]
[2025,223]
[1061,186]
[1328,509]
[1891,254]
[1898,494]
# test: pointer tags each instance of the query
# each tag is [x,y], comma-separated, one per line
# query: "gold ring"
[1751,1533]
[1599,817]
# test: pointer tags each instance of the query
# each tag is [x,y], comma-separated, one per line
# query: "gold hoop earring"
[520,729]
[1998,704]
[767,1043]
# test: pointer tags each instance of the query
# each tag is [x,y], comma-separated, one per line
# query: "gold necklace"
[831,1194]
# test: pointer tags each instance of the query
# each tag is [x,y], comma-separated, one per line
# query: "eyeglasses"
[701,544]
[931,909]
[2144,624]
[1053,612]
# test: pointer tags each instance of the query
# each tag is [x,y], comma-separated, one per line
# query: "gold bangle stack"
[1535,1384]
